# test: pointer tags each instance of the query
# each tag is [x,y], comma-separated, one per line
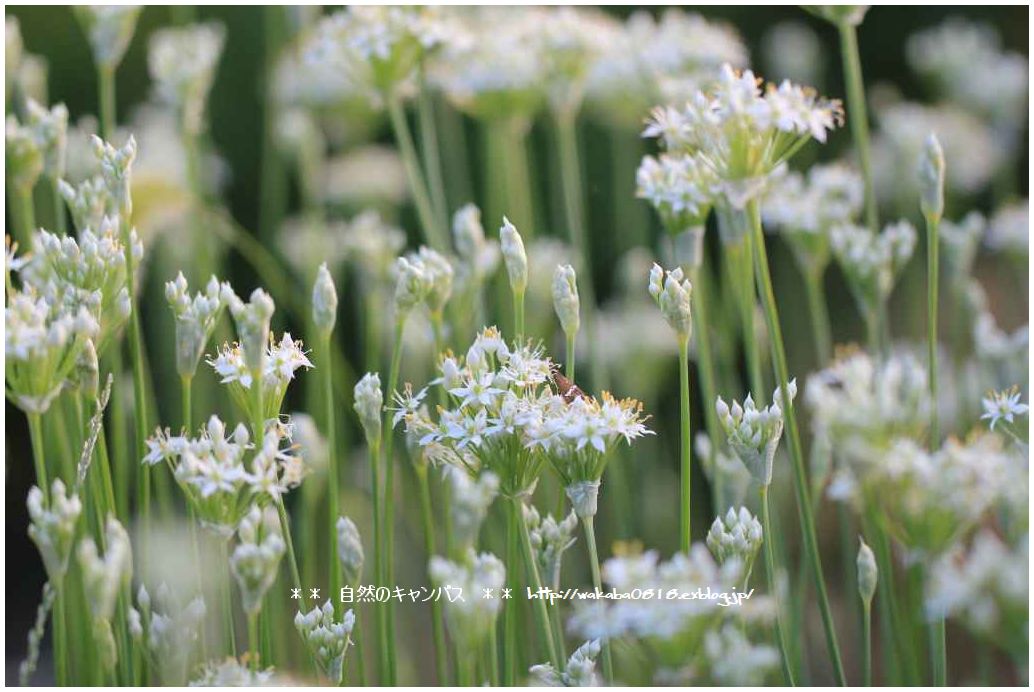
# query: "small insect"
[565,387]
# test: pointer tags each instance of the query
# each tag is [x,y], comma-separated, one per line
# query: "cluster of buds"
[736,535]
[439,275]
[470,500]
[931,179]
[872,262]
[182,63]
[252,320]
[23,154]
[753,434]
[51,130]
[169,629]
[255,560]
[196,318]
[369,405]
[470,620]
[326,640]
[88,202]
[109,29]
[550,539]
[579,672]
[116,167]
[103,579]
[412,284]
[52,527]
[672,293]
[350,550]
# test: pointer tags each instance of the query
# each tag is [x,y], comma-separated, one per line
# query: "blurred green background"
[236,115]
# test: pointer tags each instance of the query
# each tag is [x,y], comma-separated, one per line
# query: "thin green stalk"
[333,473]
[431,153]
[706,368]
[433,235]
[685,467]
[60,218]
[437,618]
[597,582]
[932,280]
[938,653]
[285,528]
[389,503]
[518,315]
[804,511]
[510,606]
[253,642]
[770,568]
[819,314]
[24,217]
[867,644]
[226,599]
[106,98]
[541,611]
[857,115]
[570,355]
[378,555]
[185,402]
[60,631]
[493,659]
[38,452]
[741,274]
[574,211]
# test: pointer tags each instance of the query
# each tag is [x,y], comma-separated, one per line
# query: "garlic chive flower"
[738,534]
[280,363]
[51,129]
[109,29]
[470,500]
[88,202]
[215,476]
[252,320]
[478,256]
[255,560]
[182,63]
[326,640]
[514,256]
[872,262]
[672,293]
[681,187]
[741,132]
[565,299]
[753,434]
[116,167]
[439,274]
[579,672]
[1003,406]
[931,178]
[867,572]
[412,284]
[232,673]
[196,318]
[52,527]
[103,578]
[42,346]
[369,404]
[733,660]
[550,539]
[170,630]
[349,550]
[324,301]
[23,155]
[471,618]
[86,274]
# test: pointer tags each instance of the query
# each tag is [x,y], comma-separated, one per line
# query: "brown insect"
[566,388]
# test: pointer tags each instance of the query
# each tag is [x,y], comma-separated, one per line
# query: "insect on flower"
[565,387]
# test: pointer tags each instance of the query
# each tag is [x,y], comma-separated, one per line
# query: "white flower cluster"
[196,318]
[252,320]
[23,155]
[281,362]
[326,640]
[673,294]
[255,560]
[470,500]
[736,535]
[580,670]
[502,416]
[734,660]
[51,129]
[169,629]
[1010,229]
[103,578]
[966,62]
[471,618]
[109,29]
[182,63]
[212,472]
[669,621]
[872,262]
[550,539]
[743,132]
[232,673]
[985,586]
[753,434]
[52,527]
[681,187]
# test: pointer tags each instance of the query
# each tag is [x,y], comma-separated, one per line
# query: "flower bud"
[257,556]
[867,572]
[565,299]
[738,535]
[252,320]
[52,527]
[104,575]
[468,233]
[116,166]
[109,29]
[931,178]
[350,550]
[326,640]
[514,256]
[23,155]
[439,279]
[324,301]
[412,284]
[673,298]
[51,128]
[584,497]
[369,402]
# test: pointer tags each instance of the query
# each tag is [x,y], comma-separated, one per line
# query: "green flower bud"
[514,256]
[867,572]
[931,178]
[565,298]
[324,301]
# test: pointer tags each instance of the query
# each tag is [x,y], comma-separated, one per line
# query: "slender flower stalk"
[432,231]
[531,565]
[588,524]
[857,113]
[804,508]
[931,202]
[388,508]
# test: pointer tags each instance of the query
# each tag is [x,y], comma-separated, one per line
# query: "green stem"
[685,467]
[867,644]
[433,235]
[510,606]
[333,473]
[938,653]
[24,217]
[253,642]
[432,155]
[857,115]
[60,218]
[106,98]
[285,528]
[541,611]
[389,501]
[60,639]
[770,568]
[185,402]
[39,453]
[597,581]
[804,511]
[228,631]
[705,358]
[378,556]
[518,315]
[574,211]
[570,355]
[437,618]
[932,280]
[819,314]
